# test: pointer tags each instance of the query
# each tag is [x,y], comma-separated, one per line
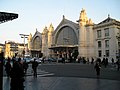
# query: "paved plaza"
[67,83]
[49,80]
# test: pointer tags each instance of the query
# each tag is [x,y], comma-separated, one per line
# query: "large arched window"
[37,43]
[66,36]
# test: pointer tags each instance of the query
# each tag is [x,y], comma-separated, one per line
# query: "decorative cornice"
[87,25]
[105,38]
[106,24]
[36,49]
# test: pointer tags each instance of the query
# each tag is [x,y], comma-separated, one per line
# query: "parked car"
[28,60]
[36,59]
[51,59]
[59,60]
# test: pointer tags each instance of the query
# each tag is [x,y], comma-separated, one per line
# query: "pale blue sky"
[40,13]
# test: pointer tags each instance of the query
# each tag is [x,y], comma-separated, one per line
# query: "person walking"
[112,61]
[97,67]
[118,64]
[92,61]
[8,67]
[34,67]
[25,67]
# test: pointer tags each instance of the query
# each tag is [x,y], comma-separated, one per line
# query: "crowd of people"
[103,61]
[16,70]
[99,62]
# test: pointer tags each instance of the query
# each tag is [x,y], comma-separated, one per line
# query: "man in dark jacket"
[17,76]
[34,67]
[8,67]
[97,68]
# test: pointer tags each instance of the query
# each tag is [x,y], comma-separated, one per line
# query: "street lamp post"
[24,36]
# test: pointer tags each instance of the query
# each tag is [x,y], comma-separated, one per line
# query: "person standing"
[8,67]
[112,61]
[97,68]
[25,66]
[92,61]
[118,64]
[106,62]
[63,60]
[34,67]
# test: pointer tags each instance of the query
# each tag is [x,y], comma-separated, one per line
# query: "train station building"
[82,37]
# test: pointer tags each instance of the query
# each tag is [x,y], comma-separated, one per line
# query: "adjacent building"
[2,47]
[13,49]
[106,42]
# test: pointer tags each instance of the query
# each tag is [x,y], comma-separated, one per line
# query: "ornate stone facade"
[35,44]
[89,39]
[86,37]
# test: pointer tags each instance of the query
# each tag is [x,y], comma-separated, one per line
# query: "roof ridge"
[108,20]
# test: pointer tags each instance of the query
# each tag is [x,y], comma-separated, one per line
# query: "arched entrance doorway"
[66,42]
[36,48]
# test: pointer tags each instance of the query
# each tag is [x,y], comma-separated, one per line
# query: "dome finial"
[63,16]
[36,29]
[108,15]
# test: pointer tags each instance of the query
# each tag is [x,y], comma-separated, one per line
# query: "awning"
[4,16]
[37,50]
[63,46]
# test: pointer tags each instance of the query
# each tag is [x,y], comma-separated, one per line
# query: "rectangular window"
[99,53]
[118,44]
[98,33]
[106,43]
[99,44]
[107,53]
[106,30]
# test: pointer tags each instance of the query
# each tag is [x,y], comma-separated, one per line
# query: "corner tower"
[85,35]
[83,20]
[50,38]
[82,33]
[50,34]
[45,42]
